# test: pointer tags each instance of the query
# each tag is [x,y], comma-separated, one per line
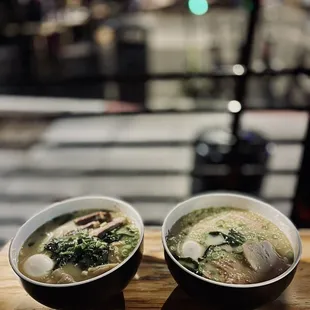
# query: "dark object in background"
[217,167]
[131,46]
[301,203]
[31,14]
[268,57]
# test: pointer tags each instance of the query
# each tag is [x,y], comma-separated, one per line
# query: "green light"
[198,7]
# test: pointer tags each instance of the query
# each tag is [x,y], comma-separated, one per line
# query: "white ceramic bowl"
[100,288]
[237,295]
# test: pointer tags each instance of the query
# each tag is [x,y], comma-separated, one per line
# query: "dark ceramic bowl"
[231,296]
[86,294]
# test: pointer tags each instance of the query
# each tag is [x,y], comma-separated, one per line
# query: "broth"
[230,245]
[78,246]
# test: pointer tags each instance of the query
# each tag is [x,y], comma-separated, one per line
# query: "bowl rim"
[243,286]
[51,206]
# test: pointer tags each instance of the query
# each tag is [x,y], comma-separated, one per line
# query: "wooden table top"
[154,288]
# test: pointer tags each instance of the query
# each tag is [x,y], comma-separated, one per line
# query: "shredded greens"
[189,263]
[111,236]
[233,238]
[130,237]
[214,252]
[78,248]
[128,233]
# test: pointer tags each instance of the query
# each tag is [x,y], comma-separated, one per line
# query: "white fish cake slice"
[192,249]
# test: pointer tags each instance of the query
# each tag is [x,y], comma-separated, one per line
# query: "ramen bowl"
[86,294]
[225,295]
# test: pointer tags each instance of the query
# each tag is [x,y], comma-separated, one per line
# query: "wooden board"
[153,286]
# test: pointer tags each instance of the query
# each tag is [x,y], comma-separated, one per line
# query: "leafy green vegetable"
[111,236]
[127,233]
[127,230]
[236,238]
[130,236]
[233,238]
[189,263]
[78,248]
[207,252]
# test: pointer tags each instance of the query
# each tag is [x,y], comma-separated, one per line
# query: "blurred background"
[153,101]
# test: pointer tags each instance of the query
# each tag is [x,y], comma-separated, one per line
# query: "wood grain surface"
[154,288]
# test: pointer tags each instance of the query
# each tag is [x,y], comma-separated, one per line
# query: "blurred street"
[145,159]
[67,130]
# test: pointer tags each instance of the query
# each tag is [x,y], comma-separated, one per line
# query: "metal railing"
[301,199]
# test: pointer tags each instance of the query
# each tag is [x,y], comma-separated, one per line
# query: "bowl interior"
[239,201]
[68,206]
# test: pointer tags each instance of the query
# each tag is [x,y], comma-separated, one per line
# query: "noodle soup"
[78,246]
[230,245]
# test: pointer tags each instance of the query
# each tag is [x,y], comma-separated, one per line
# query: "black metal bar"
[4,198]
[48,117]
[90,79]
[153,223]
[170,143]
[63,173]
[46,198]
[140,144]
[301,203]
[245,58]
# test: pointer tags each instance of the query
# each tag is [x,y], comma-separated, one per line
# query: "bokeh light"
[238,69]
[198,7]
[234,106]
